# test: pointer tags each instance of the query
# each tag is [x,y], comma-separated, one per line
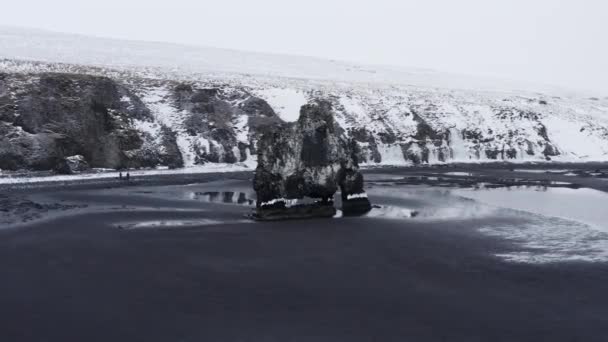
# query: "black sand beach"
[161,260]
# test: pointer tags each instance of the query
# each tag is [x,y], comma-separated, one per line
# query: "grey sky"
[561,42]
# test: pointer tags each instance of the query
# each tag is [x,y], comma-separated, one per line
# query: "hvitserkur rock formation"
[309,159]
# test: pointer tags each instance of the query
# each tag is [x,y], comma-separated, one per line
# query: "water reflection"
[475,184]
[548,223]
[561,224]
[167,223]
[176,223]
[227,197]
[584,205]
[463,174]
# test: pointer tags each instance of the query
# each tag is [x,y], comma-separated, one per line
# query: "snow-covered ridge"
[54,47]
[395,121]
[394,125]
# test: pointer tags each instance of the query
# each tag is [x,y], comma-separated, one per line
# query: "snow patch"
[286,102]
[354,196]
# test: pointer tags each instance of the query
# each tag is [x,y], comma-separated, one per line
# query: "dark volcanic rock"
[303,211]
[72,165]
[308,159]
[362,135]
[171,156]
[212,113]
[47,117]
[354,198]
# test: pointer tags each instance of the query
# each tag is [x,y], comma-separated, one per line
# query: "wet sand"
[90,275]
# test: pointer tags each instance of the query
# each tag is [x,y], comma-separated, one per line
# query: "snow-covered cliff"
[213,115]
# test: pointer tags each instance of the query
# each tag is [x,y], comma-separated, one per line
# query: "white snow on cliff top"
[47,46]
[286,102]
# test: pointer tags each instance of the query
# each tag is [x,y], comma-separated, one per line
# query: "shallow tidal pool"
[550,224]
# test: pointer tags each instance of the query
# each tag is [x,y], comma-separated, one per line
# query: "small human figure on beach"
[120,175]
[128,176]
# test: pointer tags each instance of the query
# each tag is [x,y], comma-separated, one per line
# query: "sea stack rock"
[307,161]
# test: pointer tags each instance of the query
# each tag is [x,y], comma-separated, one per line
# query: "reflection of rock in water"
[213,196]
[229,197]
[309,158]
[242,198]
[478,182]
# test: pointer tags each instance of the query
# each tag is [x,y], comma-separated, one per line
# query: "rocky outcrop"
[309,159]
[416,135]
[72,165]
[221,124]
[47,117]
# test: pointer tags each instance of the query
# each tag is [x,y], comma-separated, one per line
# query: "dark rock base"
[356,207]
[305,211]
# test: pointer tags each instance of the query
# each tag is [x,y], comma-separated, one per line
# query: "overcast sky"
[560,42]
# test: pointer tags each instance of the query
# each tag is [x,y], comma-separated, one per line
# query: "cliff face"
[133,118]
[311,158]
[429,127]
[218,125]
[47,117]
